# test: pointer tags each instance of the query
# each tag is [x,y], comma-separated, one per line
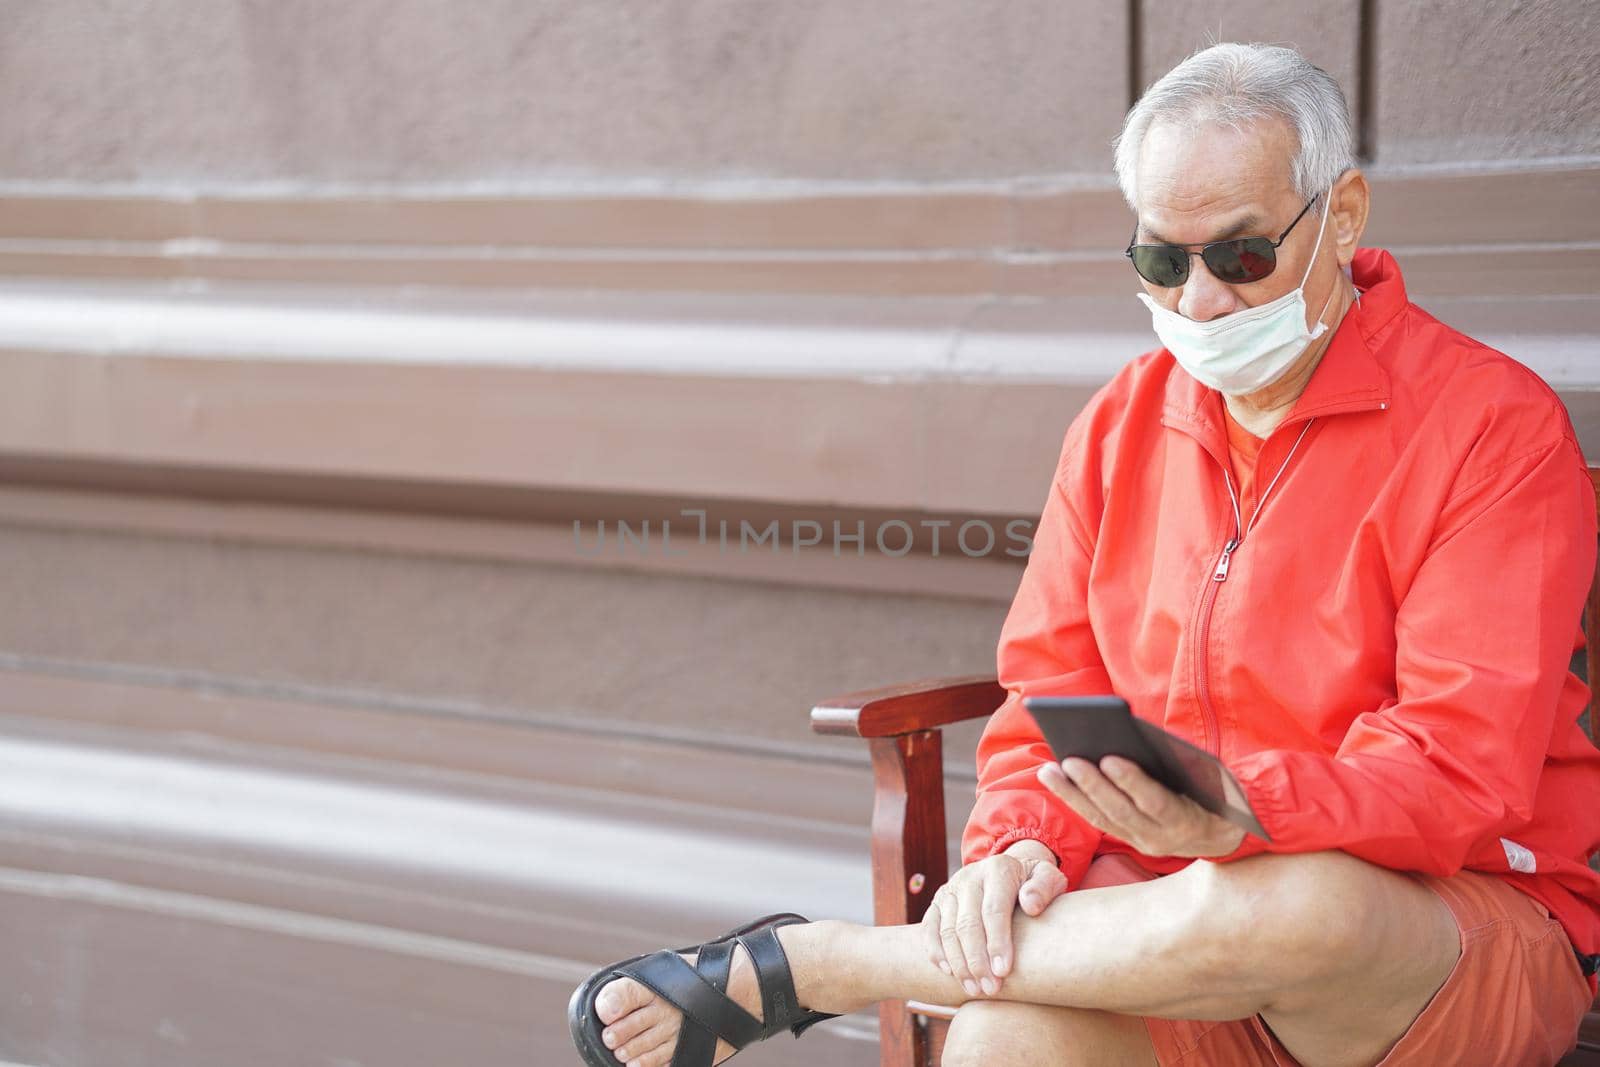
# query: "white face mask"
[1246,350]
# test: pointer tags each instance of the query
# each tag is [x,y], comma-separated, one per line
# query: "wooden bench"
[909,858]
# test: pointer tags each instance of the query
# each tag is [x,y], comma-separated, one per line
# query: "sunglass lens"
[1236,262]
[1163,265]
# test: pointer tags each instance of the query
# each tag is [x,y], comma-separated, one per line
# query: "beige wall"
[434,91]
[1329,34]
[1507,83]
[426,91]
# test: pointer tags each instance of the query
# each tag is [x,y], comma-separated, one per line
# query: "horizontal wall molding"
[820,789]
[837,407]
[765,337]
[540,783]
[500,405]
[466,834]
[205,713]
[907,444]
[848,557]
[1029,238]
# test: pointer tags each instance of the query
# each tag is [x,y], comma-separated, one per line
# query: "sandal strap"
[697,1046]
[672,979]
[772,978]
[778,990]
[811,1019]
[714,961]
[700,991]
[781,1008]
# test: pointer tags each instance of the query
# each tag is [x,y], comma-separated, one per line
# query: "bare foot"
[641,1029]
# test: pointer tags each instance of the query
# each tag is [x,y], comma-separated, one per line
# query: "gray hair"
[1235,85]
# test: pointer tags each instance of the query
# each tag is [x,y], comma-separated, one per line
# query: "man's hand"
[967,927]
[1120,799]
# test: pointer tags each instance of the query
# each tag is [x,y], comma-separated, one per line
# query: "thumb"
[1043,884]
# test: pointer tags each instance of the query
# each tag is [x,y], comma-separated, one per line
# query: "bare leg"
[1321,945]
[1000,1033]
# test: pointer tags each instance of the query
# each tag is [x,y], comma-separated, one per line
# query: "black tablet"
[1093,727]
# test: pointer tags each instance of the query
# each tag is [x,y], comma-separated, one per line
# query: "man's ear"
[1351,199]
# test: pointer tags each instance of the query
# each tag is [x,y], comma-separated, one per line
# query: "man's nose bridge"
[1204,296]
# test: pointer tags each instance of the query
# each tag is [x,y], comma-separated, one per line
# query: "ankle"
[821,963]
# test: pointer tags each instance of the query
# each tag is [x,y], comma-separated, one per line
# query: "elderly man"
[1331,540]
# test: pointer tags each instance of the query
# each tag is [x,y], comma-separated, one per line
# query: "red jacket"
[1384,663]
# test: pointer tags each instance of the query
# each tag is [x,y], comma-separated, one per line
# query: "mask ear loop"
[1323,225]
[1350,276]
[1321,326]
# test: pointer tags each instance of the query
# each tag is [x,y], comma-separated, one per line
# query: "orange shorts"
[1514,999]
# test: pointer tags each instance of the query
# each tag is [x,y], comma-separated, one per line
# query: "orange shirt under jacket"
[1383,661]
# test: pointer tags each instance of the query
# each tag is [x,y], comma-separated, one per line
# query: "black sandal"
[699,991]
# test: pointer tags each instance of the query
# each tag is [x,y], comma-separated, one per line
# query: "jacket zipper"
[1208,596]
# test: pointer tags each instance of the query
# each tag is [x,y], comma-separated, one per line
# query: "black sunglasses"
[1241,260]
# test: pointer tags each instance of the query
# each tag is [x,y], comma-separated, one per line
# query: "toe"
[655,1042]
[660,1056]
[618,998]
[632,1024]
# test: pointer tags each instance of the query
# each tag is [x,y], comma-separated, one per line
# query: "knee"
[985,1033]
[973,1033]
[1286,917]
[998,1033]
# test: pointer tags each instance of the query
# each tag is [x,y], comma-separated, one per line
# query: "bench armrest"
[907,709]
[901,724]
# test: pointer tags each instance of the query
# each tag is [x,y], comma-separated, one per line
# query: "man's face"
[1211,183]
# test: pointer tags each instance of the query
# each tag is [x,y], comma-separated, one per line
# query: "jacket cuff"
[1024,833]
[1261,804]
[1250,846]
[1068,860]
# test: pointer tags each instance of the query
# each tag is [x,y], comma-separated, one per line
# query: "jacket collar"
[1347,378]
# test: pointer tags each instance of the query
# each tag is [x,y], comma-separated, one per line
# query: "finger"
[1053,779]
[999,903]
[1044,884]
[1126,820]
[949,915]
[972,935]
[1150,797]
[930,936]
